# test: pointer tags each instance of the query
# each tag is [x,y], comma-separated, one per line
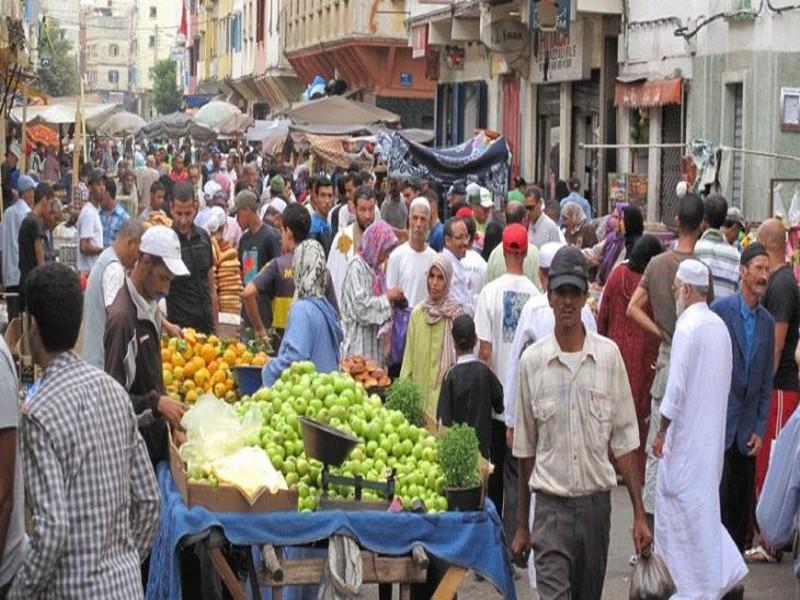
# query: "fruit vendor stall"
[316,460]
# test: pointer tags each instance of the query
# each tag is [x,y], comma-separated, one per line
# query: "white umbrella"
[215,112]
[121,124]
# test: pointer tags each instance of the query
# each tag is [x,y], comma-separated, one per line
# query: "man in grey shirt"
[13,541]
[541,228]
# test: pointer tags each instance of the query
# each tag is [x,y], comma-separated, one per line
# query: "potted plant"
[458,455]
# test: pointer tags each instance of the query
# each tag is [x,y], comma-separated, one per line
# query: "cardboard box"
[224,498]
[229,326]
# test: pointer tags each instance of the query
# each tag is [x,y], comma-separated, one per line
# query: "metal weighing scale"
[331,447]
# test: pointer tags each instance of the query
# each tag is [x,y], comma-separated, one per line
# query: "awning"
[648,93]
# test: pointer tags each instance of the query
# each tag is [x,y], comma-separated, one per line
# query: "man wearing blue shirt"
[751,330]
[575,196]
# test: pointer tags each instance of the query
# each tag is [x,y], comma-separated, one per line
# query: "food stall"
[341,471]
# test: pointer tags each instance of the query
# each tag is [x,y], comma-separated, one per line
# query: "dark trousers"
[737,494]
[570,545]
[13,302]
[5,589]
[510,494]
[497,454]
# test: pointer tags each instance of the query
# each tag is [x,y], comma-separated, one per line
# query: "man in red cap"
[496,318]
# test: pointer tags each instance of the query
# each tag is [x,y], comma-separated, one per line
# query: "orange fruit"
[229,356]
[191,396]
[190,369]
[166,354]
[178,374]
[190,335]
[169,378]
[187,352]
[220,390]
[213,340]
[239,348]
[259,360]
[239,362]
[219,377]
[212,366]
[229,385]
[188,385]
[202,377]
[178,360]
[208,352]
[247,358]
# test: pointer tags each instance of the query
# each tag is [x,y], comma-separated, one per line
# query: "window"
[113,77]
[151,42]
[153,12]
[113,50]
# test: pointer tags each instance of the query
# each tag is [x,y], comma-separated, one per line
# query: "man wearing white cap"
[12,221]
[132,337]
[690,444]
[536,321]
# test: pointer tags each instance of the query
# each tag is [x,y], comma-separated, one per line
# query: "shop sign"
[550,15]
[561,56]
[507,36]
[406,79]
[419,41]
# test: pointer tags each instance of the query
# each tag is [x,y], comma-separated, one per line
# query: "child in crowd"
[470,391]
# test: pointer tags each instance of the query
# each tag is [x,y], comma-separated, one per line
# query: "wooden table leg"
[450,583]
[228,577]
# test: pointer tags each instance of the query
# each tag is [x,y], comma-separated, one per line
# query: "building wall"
[107,53]
[156,35]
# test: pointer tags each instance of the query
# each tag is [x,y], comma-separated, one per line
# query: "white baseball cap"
[277,204]
[486,198]
[161,241]
[547,252]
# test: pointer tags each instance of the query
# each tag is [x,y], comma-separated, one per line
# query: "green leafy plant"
[404,395]
[165,89]
[57,69]
[458,454]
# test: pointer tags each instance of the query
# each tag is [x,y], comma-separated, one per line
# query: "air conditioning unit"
[741,10]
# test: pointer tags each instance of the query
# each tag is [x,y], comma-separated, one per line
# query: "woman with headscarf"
[639,348]
[429,344]
[578,231]
[366,303]
[624,227]
[312,332]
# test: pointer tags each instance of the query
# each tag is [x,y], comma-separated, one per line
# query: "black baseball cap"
[458,189]
[569,267]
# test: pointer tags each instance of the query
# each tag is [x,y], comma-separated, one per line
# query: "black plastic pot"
[464,499]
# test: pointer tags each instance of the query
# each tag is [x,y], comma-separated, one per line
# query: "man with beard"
[408,264]
[751,330]
[690,445]
[344,245]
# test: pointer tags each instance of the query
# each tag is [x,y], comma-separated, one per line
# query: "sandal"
[759,555]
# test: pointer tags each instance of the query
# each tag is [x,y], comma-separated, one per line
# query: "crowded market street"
[404,299]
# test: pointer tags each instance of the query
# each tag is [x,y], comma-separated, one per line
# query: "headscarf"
[575,213]
[215,220]
[491,238]
[447,309]
[643,251]
[309,268]
[223,181]
[614,242]
[301,179]
[374,246]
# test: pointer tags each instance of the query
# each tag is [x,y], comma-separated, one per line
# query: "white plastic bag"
[250,471]
[214,430]
[651,580]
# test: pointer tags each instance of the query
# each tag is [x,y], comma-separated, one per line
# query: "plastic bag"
[400,321]
[343,574]
[214,430]
[651,580]
[250,471]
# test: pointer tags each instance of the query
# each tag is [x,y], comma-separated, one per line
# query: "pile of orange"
[199,364]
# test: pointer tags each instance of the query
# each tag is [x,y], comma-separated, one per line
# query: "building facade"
[548,88]
[108,52]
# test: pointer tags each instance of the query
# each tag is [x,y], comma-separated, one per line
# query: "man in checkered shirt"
[88,481]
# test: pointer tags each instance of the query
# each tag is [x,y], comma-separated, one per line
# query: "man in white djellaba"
[689,536]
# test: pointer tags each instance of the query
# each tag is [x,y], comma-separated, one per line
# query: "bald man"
[782,300]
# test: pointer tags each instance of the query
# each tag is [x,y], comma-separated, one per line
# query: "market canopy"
[271,134]
[121,124]
[39,133]
[336,115]
[214,113]
[63,113]
[234,125]
[174,126]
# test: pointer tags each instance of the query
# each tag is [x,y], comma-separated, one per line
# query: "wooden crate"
[224,498]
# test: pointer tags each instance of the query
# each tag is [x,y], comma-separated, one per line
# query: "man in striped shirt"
[714,250]
[90,488]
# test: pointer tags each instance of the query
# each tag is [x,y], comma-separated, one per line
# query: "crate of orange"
[200,364]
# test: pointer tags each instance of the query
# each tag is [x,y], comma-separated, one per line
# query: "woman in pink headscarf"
[429,343]
[366,306]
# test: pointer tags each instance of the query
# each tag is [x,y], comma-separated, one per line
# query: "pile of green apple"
[388,440]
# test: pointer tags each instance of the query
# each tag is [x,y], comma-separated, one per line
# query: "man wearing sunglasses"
[541,228]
